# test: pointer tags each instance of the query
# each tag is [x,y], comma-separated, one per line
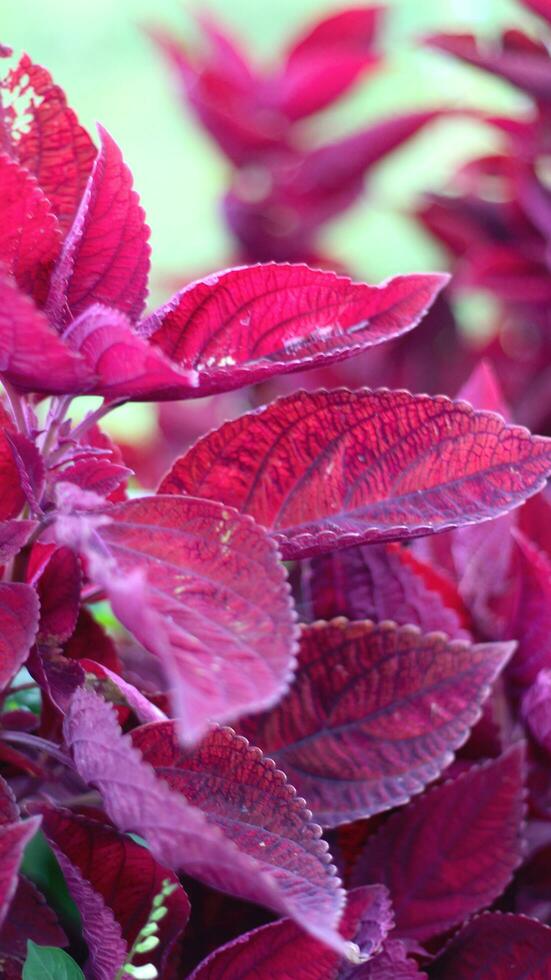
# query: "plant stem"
[16,405]
[40,744]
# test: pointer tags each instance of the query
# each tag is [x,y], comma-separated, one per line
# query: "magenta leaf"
[13,839]
[30,467]
[124,365]
[375,713]
[99,475]
[18,627]
[13,536]
[9,811]
[497,947]
[378,582]
[452,852]
[113,882]
[47,139]
[250,323]
[536,709]
[530,610]
[12,497]
[105,257]
[30,238]
[258,843]
[183,577]
[393,963]
[325,470]
[323,63]
[285,950]
[32,355]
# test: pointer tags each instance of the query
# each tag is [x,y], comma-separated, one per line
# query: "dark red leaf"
[29,918]
[58,587]
[32,355]
[530,610]
[283,950]
[89,636]
[497,947]
[124,365]
[374,714]
[105,258]
[9,811]
[452,852]
[18,627]
[112,879]
[325,470]
[536,709]
[393,963]
[250,323]
[223,813]
[30,239]
[47,138]
[183,577]
[13,839]
[378,582]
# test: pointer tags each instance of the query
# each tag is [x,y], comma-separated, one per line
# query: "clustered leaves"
[404,642]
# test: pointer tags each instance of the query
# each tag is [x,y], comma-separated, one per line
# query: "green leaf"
[49,963]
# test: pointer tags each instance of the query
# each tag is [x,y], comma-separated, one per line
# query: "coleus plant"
[285,185]
[127,764]
[494,219]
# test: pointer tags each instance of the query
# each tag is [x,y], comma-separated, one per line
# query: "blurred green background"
[98,52]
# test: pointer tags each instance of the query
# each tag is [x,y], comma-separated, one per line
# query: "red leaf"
[184,579]
[536,709]
[105,258]
[12,497]
[497,947]
[114,880]
[9,811]
[124,364]
[374,714]
[13,839]
[18,626]
[286,951]
[247,324]
[528,69]
[257,843]
[97,475]
[453,851]
[48,139]
[325,470]
[13,534]
[32,355]
[30,238]
[378,582]
[144,709]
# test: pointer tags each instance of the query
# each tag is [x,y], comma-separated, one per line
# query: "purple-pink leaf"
[375,713]
[13,839]
[30,238]
[18,627]
[183,577]
[46,138]
[392,963]
[377,582]
[113,882]
[497,947]
[12,497]
[9,811]
[247,324]
[99,475]
[283,950]
[222,813]
[144,709]
[105,258]
[13,536]
[124,365]
[32,355]
[452,852]
[325,470]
